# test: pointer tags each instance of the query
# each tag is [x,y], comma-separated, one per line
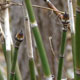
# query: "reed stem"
[38,40]
[29,47]
[1,76]
[17,72]
[72,27]
[19,38]
[32,69]
[63,43]
[4,49]
[60,65]
[7,42]
[14,64]
[77,41]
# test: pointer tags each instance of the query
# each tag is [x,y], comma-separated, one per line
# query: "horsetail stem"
[17,72]
[77,41]
[19,38]
[63,41]
[38,39]
[32,69]
[1,75]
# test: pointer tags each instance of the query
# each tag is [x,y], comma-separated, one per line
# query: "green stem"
[4,49]
[77,42]
[18,73]
[8,60]
[7,55]
[32,69]
[38,39]
[73,51]
[18,39]
[1,76]
[17,70]
[41,51]
[60,65]
[14,64]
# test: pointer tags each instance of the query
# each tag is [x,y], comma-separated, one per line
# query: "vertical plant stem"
[17,72]
[19,38]
[72,27]
[32,69]
[14,64]
[38,40]
[4,49]
[29,48]
[77,42]
[73,51]
[1,76]
[7,41]
[2,38]
[60,65]
[74,2]
[63,42]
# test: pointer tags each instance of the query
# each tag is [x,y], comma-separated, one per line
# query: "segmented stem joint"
[18,39]
[65,21]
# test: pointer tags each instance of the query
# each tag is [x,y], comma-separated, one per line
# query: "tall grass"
[11,54]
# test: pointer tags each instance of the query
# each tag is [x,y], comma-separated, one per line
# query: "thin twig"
[54,9]
[8,4]
[42,7]
[11,3]
[50,42]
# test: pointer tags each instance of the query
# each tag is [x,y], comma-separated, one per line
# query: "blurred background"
[50,27]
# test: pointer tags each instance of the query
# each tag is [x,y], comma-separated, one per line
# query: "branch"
[57,12]
[8,4]
[50,42]
[42,7]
